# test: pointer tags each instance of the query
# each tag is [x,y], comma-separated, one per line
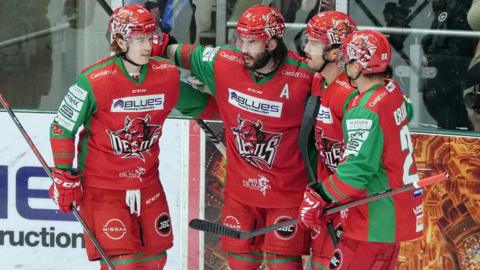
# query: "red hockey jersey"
[262,121]
[328,124]
[122,119]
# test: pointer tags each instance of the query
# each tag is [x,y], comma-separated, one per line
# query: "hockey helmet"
[261,22]
[331,27]
[369,48]
[131,19]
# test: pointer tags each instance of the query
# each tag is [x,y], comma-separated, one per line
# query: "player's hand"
[65,189]
[311,212]
[198,85]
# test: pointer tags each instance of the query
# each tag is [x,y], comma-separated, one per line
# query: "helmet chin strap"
[124,57]
[325,60]
[355,77]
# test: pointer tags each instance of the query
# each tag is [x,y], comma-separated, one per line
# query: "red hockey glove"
[65,189]
[311,210]
[159,44]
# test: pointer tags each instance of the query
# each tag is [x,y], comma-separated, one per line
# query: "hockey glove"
[311,210]
[65,189]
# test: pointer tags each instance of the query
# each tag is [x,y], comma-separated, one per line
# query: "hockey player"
[260,89]
[378,156]
[325,33]
[121,102]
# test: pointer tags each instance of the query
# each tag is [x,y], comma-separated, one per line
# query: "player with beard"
[122,102]
[325,33]
[378,156]
[260,88]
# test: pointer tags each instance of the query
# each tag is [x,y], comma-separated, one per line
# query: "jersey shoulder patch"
[209,54]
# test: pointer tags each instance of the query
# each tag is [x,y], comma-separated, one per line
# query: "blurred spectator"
[163,12]
[397,15]
[288,8]
[25,66]
[203,16]
[471,95]
[474,15]
[240,6]
[442,95]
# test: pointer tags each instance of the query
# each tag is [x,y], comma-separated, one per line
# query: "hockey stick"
[211,136]
[40,158]
[106,7]
[220,229]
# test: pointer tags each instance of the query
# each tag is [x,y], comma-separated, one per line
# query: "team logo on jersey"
[136,138]
[254,104]
[257,146]
[162,225]
[261,184]
[285,233]
[330,150]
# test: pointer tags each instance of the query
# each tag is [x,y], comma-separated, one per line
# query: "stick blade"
[214,228]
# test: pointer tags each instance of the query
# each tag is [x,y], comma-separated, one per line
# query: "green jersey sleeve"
[363,151]
[76,108]
[409,107]
[191,101]
[202,61]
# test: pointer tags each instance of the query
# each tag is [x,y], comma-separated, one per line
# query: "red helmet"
[370,48]
[261,22]
[131,19]
[332,27]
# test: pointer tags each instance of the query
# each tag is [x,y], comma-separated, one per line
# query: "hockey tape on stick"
[40,158]
[220,229]
[211,136]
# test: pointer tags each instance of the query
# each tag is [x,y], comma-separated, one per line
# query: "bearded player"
[260,88]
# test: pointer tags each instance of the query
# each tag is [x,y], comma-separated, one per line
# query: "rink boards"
[33,235]
[192,171]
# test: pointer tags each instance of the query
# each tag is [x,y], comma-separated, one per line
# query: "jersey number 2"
[406,144]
